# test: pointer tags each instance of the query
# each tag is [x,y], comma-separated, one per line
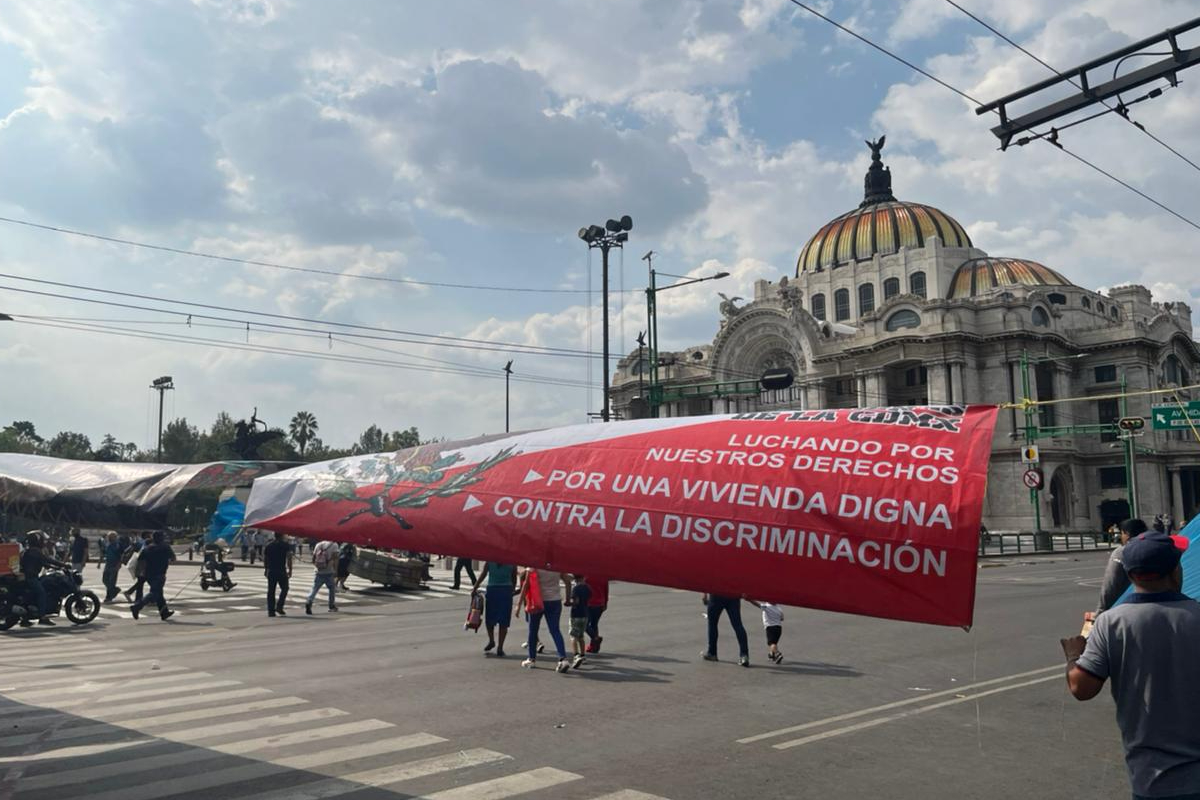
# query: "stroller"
[216,569]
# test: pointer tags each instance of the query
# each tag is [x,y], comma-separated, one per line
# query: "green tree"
[25,430]
[180,442]
[398,440]
[110,449]
[20,437]
[215,446]
[371,441]
[69,444]
[303,428]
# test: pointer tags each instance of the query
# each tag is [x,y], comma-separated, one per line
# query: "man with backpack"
[325,559]
[155,557]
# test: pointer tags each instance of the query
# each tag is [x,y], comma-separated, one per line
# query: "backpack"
[325,554]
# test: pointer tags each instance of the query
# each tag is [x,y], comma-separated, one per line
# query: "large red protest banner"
[866,511]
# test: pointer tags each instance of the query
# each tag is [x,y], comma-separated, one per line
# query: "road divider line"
[924,698]
[95,687]
[10,683]
[871,723]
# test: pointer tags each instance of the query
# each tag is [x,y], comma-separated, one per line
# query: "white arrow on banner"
[532,475]
[472,502]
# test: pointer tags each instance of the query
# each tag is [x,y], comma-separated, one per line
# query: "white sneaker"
[576,661]
[563,666]
[529,663]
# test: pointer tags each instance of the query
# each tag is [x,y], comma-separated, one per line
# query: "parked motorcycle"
[64,594]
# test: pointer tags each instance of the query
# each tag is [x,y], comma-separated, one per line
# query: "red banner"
[866,511]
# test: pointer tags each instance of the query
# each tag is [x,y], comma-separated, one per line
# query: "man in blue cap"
[1149,647]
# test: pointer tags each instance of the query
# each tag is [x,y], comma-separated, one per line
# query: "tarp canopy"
[226,521]
[867,511]
[112,494]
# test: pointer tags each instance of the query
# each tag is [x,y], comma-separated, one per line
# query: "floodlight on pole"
[614,234]
[507,375]
[162,386]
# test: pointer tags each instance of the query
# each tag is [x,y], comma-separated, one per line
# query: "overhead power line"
[286,351]
[1118,110]
[430,339]
[288,267]
[977,102]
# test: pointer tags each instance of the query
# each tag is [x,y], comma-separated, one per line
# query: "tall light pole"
[161,385]
[641,366]
[655,394]
[614,234]
[507,375]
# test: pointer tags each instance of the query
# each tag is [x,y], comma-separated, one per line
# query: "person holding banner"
[732,606]
[1149,647]
[542,590]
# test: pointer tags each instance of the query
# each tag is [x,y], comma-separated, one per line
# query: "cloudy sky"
[466,143]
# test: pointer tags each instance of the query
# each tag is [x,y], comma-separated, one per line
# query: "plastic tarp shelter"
[109,494]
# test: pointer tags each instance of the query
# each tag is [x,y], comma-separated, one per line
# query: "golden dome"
[980,275]
[881,227]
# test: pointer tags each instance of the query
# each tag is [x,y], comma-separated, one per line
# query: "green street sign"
[1169,418]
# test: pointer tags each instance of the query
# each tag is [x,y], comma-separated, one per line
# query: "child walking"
[581,593]
[772,616]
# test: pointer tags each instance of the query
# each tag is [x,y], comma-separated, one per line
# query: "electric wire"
[274,265]
[1073,82]
[440,340]
[286,351]
[977,102]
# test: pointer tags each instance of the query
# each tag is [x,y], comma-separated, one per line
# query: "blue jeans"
[733,607]
[552,611]
[322,579]
[156,583]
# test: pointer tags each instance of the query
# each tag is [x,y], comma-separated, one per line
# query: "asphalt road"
[390,698]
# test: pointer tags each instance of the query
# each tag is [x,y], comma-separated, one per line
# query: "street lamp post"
[507,375]
[655,393]
[161,385]
[614,234]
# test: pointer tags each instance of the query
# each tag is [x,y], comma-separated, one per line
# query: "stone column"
[876,388]
[936,388]
[1177,496]
[961,393]
[860,391]
[815,394]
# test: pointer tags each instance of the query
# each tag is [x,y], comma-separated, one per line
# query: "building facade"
[893,304]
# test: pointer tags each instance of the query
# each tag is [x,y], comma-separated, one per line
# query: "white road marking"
[629,794]
[176,717]
[72,752]
[94,687]
[99,673]
[277,721]
[385,776]
[897,704]
[508,786]
[198,700]
[191,755]
[871,723]
[56,657]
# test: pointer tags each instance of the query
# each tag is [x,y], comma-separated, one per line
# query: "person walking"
[155,558]
[277,564]
[1148,647]
[497,602]
[111,562]
[772,619]
[138,573]
[32,562]
[79,551]
[581,593]
[732,606]
[1116,581]
[346,556]
[324,558]
[549,590]
[459,565]
[597,605]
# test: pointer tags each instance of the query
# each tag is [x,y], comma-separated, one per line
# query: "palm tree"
[303,427]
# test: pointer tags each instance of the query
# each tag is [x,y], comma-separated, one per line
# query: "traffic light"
[1131,423]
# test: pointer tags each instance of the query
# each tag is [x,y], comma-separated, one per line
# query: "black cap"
[1153,553]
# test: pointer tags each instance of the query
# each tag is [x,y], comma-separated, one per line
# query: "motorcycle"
[64,594]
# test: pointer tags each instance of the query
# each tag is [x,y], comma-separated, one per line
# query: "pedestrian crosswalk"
[184,595]
[83,720]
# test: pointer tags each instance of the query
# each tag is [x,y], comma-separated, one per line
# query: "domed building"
[892,303]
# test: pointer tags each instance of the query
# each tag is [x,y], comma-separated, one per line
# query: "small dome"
[880,227]
[980,275]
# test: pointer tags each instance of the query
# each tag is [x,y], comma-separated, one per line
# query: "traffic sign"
[1033,479]
[1172,417]
[1029,454]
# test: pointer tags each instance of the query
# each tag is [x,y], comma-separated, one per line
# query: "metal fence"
[1020,543]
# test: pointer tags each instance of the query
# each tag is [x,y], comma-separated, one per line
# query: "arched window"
[891,288]
[916,284]
[1100,306]
[1040,318]
[841,305]
[904,318]
[1173,371]
[1057,299]
[818,306]
[866,298]
[1085,303]
[1116,313]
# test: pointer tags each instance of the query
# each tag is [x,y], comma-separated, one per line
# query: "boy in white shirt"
[772,617]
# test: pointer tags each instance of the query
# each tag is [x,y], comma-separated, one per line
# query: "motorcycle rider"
[33,561]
